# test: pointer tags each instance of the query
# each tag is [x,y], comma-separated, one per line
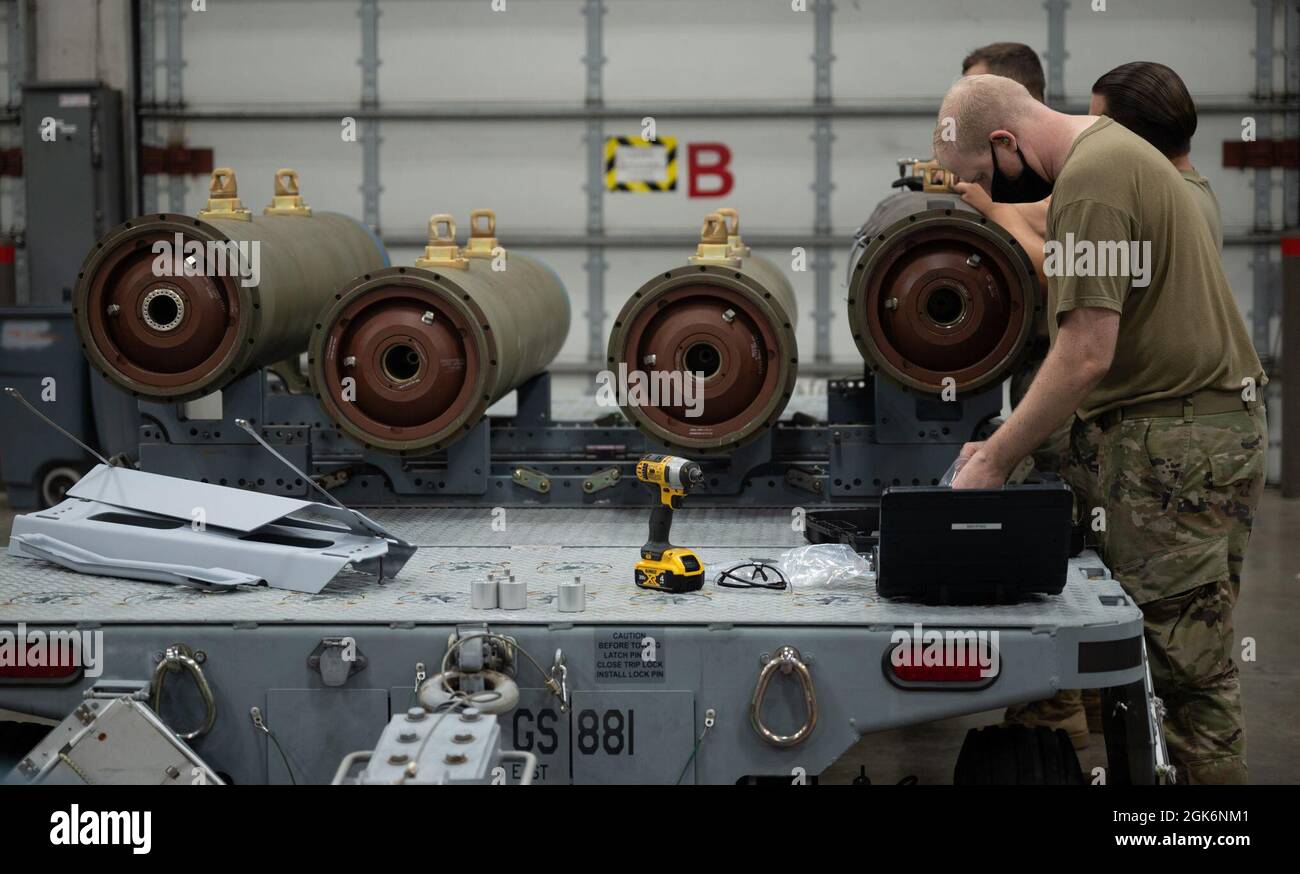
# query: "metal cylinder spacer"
[572,597]
[483,594]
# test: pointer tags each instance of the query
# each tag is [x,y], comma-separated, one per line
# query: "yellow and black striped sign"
[634,164]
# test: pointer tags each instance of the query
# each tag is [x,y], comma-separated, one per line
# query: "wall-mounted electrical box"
[72,164]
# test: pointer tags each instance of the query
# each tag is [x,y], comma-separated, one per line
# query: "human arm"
[1009,216]
[1087,309]
[1079,359]
[1035,214]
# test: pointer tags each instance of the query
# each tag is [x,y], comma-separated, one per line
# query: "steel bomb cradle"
[403,362]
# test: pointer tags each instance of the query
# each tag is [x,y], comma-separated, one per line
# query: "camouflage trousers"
[1179,499]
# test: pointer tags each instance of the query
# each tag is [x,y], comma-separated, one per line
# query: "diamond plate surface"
[622,526]
[434,585]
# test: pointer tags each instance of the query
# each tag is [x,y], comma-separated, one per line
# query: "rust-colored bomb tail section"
[173,307]
[408,359]
[727,316]
[937,292]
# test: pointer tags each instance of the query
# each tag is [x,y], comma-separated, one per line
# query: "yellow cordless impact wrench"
[664,567]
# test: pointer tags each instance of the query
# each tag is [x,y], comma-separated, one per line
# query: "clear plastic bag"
[826,566]
[953,469]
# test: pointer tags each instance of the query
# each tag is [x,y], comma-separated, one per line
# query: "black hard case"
[963,546]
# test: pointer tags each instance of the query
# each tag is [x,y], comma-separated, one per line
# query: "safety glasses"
[751,575]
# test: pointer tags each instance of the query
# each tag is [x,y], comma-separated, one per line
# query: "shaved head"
[991,132]
[974,108]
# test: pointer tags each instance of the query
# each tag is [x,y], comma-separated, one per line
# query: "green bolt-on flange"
[534,480]
[808,480]
[600,480]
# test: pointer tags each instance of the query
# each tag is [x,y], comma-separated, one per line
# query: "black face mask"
[1029,187]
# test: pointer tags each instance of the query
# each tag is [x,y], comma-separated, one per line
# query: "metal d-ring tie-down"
[179,657]
[786,660]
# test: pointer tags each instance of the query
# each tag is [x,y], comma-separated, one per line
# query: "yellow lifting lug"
[735,245]
[287,200]
[482,234]
[442,250]
[934,177]
[713,248]
[223,198]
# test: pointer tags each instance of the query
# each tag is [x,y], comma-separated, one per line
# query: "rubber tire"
[1017,755]
[55,481]
[17,740]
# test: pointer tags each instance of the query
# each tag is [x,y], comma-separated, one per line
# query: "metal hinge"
[601,480]
[807,480]
[336,659]
[533,480]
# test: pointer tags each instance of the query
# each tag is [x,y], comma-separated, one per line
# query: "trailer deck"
[683,713]
[538,546]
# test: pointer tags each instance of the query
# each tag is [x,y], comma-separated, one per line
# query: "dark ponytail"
[1150,100]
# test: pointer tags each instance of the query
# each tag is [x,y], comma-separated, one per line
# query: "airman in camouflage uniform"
[1154,353]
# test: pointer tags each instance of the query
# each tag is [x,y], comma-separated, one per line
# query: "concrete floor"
[1270,599]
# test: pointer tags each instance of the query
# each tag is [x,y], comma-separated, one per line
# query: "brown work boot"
[1062,710]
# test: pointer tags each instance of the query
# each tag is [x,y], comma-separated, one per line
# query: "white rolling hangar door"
[472,104]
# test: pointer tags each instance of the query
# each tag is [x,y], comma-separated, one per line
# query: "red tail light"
[938,673]
[32,659]
[39,673]
[955,676]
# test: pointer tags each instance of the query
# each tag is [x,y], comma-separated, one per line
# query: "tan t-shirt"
[1139,244]
[1208,203]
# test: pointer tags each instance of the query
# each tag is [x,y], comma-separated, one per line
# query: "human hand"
[980,471]
[976,196]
